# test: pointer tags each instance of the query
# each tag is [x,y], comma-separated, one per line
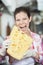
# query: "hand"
[37,57]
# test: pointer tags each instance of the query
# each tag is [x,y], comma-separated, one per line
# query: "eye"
[18,20]
[24,18]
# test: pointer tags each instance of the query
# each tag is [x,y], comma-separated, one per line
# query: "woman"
[22,20]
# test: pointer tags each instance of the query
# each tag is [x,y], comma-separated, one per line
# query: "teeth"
[23,27]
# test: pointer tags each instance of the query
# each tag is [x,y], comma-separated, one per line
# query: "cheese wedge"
[20,43]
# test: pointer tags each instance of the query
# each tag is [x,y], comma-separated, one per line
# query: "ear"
[30,18]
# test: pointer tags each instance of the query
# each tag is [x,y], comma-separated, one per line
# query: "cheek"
[17,23]
[27,22]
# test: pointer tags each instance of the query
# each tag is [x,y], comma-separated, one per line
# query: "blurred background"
[7,7]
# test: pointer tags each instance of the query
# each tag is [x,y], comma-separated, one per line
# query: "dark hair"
[22,9]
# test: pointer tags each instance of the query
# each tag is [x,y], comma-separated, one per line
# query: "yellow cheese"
[20,42]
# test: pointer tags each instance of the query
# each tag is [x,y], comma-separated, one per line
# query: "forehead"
[21,14]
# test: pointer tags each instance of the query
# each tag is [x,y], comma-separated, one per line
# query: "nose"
[21,22]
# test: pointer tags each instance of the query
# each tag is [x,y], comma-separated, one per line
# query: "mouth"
[22,27]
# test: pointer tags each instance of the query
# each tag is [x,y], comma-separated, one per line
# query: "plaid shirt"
[37,44]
